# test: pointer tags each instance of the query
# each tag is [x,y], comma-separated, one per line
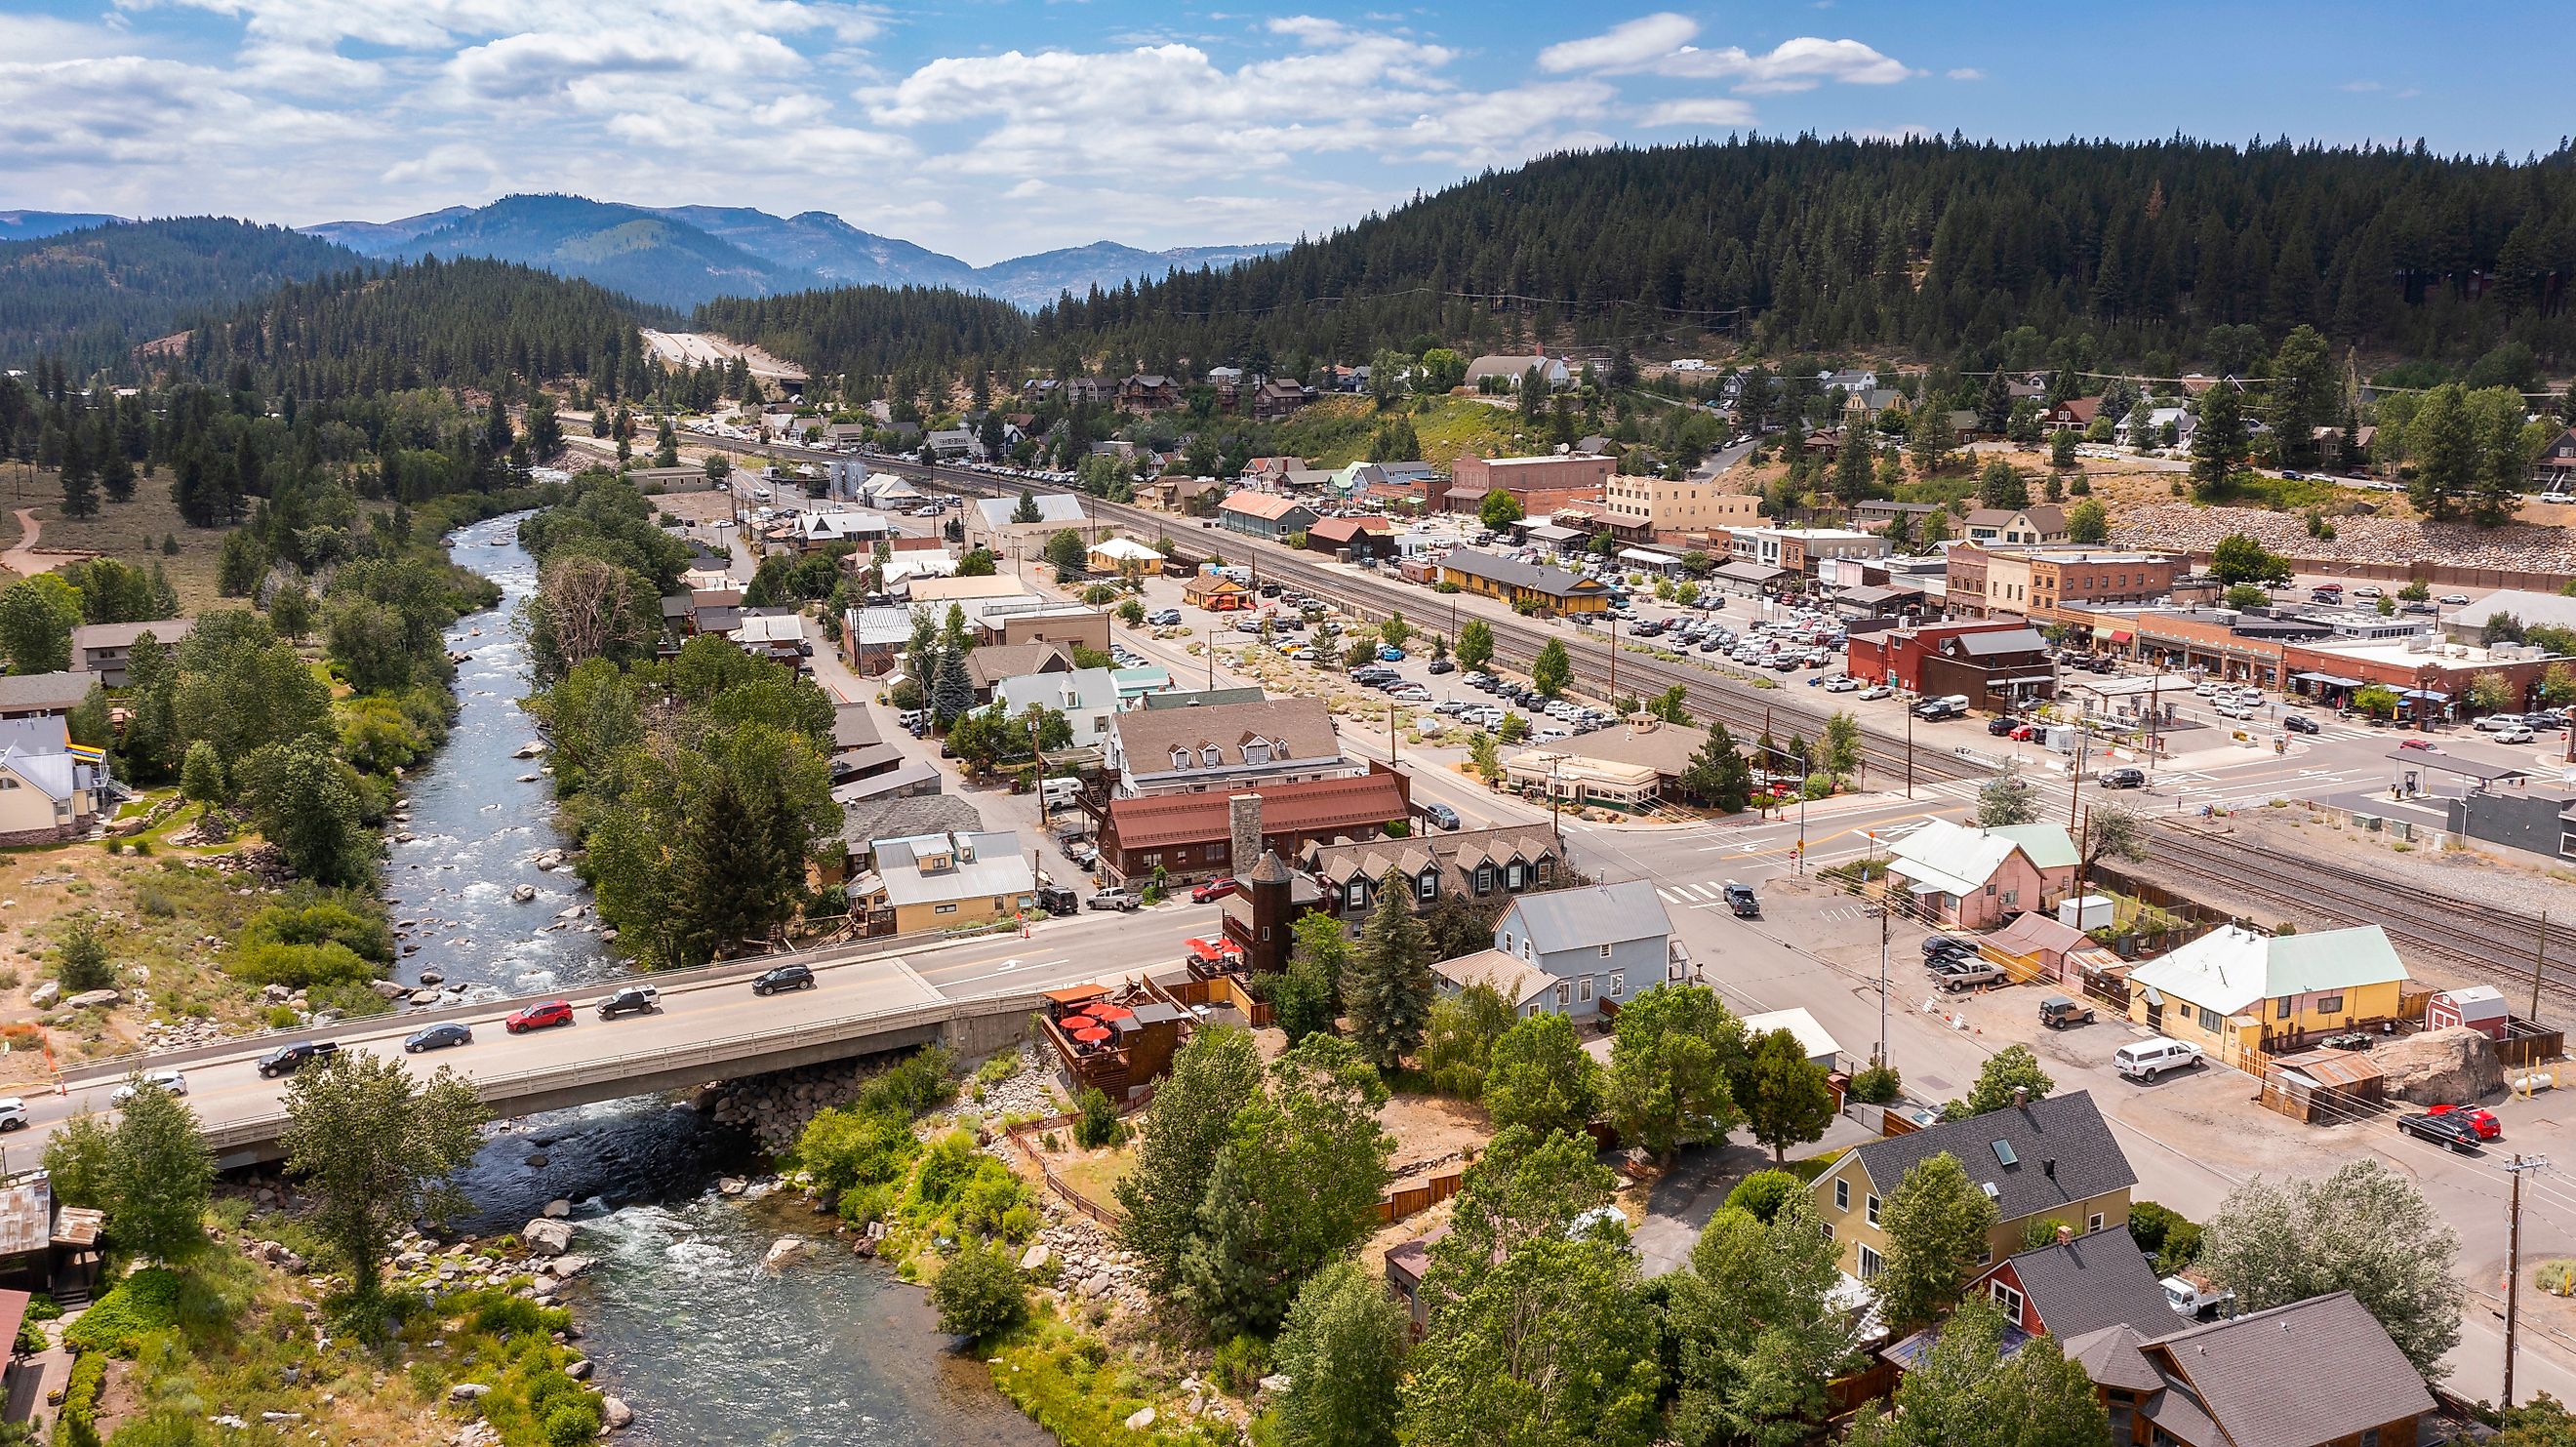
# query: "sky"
[991,128]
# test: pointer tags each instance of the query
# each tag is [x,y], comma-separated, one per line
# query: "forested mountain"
[90,296]
[682,255]
[1936,247]
[871,330]
[28,225]
[429,323]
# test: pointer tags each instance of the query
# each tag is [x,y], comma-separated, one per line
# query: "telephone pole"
[2513,1265]
[2539,957]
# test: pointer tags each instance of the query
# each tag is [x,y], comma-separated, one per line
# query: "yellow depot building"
[2235,992]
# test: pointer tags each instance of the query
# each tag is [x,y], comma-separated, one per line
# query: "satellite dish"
[2155,997]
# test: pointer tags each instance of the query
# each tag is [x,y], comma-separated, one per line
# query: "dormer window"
[1256,752]
[1211,756]
[1180,758]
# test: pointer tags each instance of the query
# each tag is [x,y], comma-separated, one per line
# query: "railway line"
[2499,944]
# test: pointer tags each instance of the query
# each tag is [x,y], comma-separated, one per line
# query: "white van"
[1059,791]
[2147,1059]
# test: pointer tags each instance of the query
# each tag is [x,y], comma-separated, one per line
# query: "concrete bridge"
[972,995]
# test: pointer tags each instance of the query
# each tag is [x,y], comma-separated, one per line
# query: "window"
[1842,1195]
[2092,1223]
[1564,994]
[2208,1019]
[2008,1299]
[1585,989]
[1870,1209]
[1484,883]
[1986,1257]
[2012,899]
[7,783]
[1605,952]
[1618,985]
[1211,756]
[1430,886]
[943,909]
[1256,753]
[2330,1004]
[1507,942]
[1180,758]
[2281,1008]
[1512,875]
[1355,893]
[1870,1265]
[1828,1229]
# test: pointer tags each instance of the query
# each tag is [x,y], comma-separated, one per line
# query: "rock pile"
[775,1107]
[2524,546]
[2456,1066]
[1088,1265]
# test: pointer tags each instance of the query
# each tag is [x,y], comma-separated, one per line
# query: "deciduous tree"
[2012,1068]
[1540,1077]
[1968,1391]
[1672,1052]
[1938,1224]
[1757,1328]
[377,1148]
[1785,1097]
[2365,1229]
[1555,1346]
[1342,1351]
[1191,1118]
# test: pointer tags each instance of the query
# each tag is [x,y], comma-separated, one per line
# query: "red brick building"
[1191,836]
[1895,656]
[1538,484]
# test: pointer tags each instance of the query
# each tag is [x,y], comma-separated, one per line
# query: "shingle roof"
[2091,1282]
[1305,725]
[1595,914]
[1270,505]
[2064,1129]
[1460,852]
[2313,1371]
[44,690]
[1343,530]
[1317,806]
[905,817]
[1513,573]
[123,635]
[2110,1356]
[1516,982]
[2230,968]
[994,662]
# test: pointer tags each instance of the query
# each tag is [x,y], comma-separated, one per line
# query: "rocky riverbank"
[776,1107]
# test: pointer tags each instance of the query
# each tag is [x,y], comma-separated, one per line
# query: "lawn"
[1336,431]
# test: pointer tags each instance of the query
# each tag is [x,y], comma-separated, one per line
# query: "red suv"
[539,1017]
[1214,889]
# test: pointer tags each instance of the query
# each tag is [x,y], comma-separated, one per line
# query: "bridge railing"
[715,1054]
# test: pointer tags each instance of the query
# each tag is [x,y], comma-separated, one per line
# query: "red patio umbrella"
[1111,1012]
[1091,1034]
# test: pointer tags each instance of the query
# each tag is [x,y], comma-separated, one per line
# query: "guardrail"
[712,1053]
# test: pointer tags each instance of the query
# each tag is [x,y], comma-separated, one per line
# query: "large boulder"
[44,995]
[784,1250]
[2457,1065]
[547,1237]
[95,1000]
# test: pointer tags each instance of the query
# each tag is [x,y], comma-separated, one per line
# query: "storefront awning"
[2121,635]
[2330,680]
[2426,694]
[2018,682]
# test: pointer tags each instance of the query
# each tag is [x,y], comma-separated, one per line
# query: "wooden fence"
[1410,1200]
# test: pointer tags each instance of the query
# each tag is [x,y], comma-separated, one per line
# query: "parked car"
[1122,900]
[2000,726]
[2454,600]
[439,1037]
[1390,655]
[1965,972]
[288,1059]
[1441,815]
[2193,1295]
[630,1000]
[1164,617]
[2442,1130]
[13,1113]
[2482,1120]
[1877,691]
[2147,1059]
[1741,899]
[2426,746]
[2515,735]
[2496,723]
[2126,778]
[1214,889]
[542,1016]
[2057,1012]
[165,1080]
[1941,946]
[782,978]
[1839,683]
[1441,665]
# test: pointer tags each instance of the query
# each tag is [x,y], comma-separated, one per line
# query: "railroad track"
[2494,941]
[1745,709]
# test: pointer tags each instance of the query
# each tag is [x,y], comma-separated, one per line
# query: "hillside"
[683,255]
[91,295]
[1924,245]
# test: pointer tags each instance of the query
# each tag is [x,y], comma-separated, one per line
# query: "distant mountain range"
[683,255]
[33,225]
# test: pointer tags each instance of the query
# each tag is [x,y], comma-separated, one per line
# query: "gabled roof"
[2230,968]
[2062,1154]
[2319,1370]
[1589,916]
[55,776]
[1092,689]
[1124,549]
[1513,573]
[1957,859]
[1204,697]
[2093,1281]
[123,635]
[1339,864]
[994,662]
[904,817]
[1317,806]
[1303,724]
[1269,505]
[978,865]
[1516,982]
[59,692]
[1345,530]
[1997,643]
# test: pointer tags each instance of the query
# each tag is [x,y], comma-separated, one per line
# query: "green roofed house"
[2233,990]
[1972,878]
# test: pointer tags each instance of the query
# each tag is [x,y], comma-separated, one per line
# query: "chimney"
[2021,1096]
[1243,831]
[2065,1234]
[2048,1167]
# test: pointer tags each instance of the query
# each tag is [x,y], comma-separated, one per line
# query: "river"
[685,1325]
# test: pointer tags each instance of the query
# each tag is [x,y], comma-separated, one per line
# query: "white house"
[1509,370]
[1087,697]
[2183,421]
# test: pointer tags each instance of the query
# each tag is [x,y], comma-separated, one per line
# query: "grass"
[129,531]
[1336,430]
[1071,1385]
[1097,1176]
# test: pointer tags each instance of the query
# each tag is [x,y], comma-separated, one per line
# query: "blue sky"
[988,128]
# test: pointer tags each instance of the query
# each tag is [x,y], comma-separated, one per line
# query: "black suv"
[2123,779]
[288,1059]
[785,977]
[631,1000]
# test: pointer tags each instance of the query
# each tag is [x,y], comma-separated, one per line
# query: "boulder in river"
[389,989]
[557,1209]
[529,750]
[523,894]
[546,1237]
[784,1250]
[615,1415]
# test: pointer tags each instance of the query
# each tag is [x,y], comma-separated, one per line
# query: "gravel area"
[2522,546]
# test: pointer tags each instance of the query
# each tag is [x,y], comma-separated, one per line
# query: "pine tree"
[1387,989]
[80,482]
[952,690]
[2444,439]
[1851,466]
[2220,441]
[1717,774]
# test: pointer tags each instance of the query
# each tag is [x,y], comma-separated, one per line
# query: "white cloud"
[1792,65]
[1700,111]
[1966,72]
[1628,44]
[2360,86]
[449,165]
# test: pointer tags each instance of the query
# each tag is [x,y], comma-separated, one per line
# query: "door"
[2156,1016]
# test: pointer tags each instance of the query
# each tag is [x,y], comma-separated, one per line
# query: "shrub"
[78,1424]
[143,1303]
[2166,1234]
[1240,1365]
[979,1292]
[1876,1085]
[299,967]
[322,921]
[573,1424]
[1764,1192]
[1098,1125]
[82,963]
[998,1069]
[2558,1278]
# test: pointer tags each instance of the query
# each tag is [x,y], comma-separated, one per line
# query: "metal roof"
[2231,967]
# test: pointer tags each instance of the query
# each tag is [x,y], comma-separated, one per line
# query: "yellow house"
[2046,1160]
[946,880]
[1125,558]
[49,795]
[2233,990]
[1535,585]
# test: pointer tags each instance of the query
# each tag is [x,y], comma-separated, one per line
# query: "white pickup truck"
[2147,1059]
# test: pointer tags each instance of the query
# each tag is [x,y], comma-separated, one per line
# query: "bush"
[2172,1238]
[78,1425]
[81,963]
[1240,1365]
[299,967]
[141,1304]
[1764,1192]
[1876,1085]
[979,1292]
[323,921]
[1098,1125]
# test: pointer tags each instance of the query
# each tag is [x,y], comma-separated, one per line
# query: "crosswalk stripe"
[1671,896]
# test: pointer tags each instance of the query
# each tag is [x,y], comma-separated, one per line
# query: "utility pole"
[1909,751]
[2513,1266]
[2539,957]
[1880,1056]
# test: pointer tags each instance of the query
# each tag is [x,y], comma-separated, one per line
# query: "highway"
[709,1026]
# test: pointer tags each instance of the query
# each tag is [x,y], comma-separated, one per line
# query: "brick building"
[1538,484]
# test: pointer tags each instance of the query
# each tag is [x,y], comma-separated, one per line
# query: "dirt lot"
[130,531]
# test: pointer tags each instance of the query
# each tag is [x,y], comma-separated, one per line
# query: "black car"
[288,1059]
[2002,725]
[631,1000]
[1057,900]
[2448,1129]
[439,1037]
[1442,665]
[1937,947]
[2299,723]
[2123,779]
[784,977]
